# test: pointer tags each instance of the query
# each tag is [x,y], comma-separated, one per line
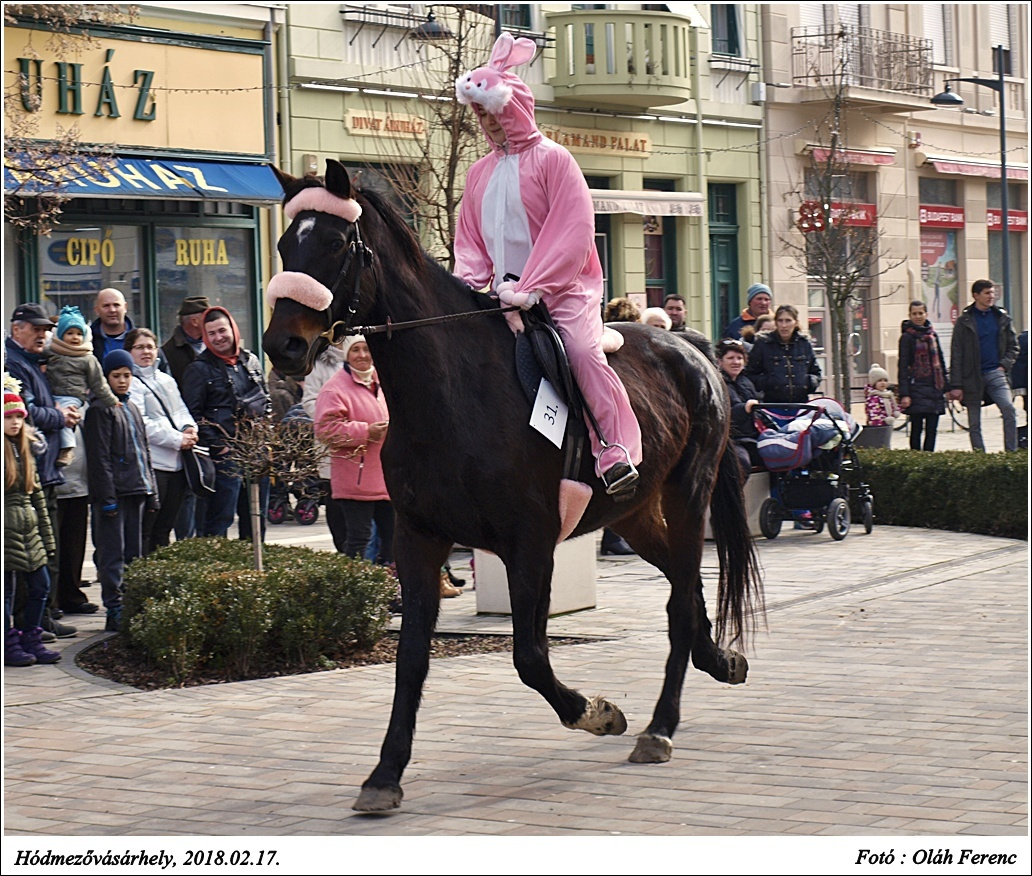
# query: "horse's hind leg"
[530,574]
[419,561]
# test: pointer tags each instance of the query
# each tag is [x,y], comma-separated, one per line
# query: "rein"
[331,334]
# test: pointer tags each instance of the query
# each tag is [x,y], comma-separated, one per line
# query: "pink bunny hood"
[503,94]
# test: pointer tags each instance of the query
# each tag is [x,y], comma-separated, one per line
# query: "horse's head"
[327,281]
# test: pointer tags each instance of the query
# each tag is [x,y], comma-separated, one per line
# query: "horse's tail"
[740,590]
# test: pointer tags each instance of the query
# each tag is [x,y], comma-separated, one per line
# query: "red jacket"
[343,412]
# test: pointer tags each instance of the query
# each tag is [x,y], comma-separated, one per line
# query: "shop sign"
[1017,220]
[588,141]
[854,215]
[397,126]
[939,216]
[157,92]
[202,251]
[855,156]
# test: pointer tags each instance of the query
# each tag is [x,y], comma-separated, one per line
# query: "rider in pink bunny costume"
[527,212]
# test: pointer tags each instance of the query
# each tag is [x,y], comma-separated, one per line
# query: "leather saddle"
[540,353]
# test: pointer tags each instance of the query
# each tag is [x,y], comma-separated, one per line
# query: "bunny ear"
[522,51]
[500,52]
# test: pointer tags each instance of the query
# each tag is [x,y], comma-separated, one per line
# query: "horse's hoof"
[601,718]
[378,799]
[652,749]
[737,667]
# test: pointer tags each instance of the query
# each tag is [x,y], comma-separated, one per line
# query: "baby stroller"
[807,448]
[309,492]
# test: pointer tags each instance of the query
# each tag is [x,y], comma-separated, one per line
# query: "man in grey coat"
[982,353]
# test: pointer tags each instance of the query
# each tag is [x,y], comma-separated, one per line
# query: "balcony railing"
[616,58]
[847,55]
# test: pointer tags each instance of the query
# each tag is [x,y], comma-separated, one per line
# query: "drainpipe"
[700,177]
[763,163]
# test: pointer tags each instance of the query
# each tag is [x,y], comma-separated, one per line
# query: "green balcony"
[618,59]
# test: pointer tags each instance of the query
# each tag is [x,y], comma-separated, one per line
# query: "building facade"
[660,109]
[181,102]
[925,180]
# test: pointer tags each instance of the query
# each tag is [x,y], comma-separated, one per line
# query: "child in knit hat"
[73,372]
[880,401]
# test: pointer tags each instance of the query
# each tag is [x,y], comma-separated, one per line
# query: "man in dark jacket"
[186,342]
[113,324]
[29,327]
[982,353]
[223,384]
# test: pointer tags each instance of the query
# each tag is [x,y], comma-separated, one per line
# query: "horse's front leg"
[419,559]
[529,571]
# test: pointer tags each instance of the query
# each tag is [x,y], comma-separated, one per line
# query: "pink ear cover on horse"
[323,201]
[573,500]
[612,340]
[301,288]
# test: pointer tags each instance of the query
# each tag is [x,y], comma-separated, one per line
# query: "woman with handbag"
[170,430]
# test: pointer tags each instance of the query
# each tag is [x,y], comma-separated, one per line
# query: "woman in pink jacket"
[351,420]
[527,213]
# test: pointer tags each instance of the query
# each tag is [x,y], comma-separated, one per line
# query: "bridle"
[356,248]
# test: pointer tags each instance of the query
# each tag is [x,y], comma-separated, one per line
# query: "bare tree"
[41,162]
[428,171]
[841,248]
[286,450]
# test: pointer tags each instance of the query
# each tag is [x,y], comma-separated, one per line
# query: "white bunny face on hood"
[501,93]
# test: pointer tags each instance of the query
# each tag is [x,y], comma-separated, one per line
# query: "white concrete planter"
[573,579]
[757,488]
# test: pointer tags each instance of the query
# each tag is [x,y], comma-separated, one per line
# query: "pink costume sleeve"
[563,223]
[332,424]
[472,262]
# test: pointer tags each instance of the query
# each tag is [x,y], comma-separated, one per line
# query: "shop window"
[844,187]
[78,260]
[211,261]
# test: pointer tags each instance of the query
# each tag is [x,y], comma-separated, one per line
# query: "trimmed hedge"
[198,605]
[985,493]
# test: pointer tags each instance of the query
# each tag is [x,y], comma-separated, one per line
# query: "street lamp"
[950,99]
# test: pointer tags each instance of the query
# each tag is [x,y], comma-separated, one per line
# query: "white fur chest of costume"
[504,220]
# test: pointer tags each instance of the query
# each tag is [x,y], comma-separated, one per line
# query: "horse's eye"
[336,245]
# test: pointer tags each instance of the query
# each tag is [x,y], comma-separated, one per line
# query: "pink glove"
[508,295]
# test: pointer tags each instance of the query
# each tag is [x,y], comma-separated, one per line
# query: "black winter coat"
[214,391]
[117,454]
[43,413]
[966,356]
[925,396]
[741,391]
[783,372]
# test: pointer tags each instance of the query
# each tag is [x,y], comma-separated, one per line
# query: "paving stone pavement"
[887,695]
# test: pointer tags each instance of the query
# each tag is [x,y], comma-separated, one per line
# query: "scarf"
[62,348]
[363,377]
[926,364]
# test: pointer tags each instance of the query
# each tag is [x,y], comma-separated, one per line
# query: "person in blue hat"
[123,487]
[758,299]
[73,372]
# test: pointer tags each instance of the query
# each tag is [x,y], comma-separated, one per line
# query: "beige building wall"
[890,117]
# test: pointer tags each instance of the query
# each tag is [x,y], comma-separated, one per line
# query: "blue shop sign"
[118,177]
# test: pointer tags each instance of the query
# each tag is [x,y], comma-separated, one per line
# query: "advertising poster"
[939,282]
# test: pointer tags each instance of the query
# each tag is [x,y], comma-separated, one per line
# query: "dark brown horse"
[463,466]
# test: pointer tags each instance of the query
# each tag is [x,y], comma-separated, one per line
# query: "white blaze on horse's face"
[304,228]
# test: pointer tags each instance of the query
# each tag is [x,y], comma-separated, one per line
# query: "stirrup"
[622,475]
